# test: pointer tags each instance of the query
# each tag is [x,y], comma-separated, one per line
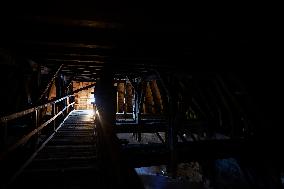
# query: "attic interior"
[115,97]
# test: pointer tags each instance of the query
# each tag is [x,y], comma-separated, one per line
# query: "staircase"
[68,160]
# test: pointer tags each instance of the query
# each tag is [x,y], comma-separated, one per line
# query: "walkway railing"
[60,107]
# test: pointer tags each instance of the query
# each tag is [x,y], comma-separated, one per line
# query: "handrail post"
[67,105]
[36,122]
[72,100]
[53,114]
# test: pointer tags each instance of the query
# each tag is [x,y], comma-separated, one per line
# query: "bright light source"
[91,112]
[93,100]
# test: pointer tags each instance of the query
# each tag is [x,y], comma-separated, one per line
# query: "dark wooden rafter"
[164,87]
[67,22]
[84,88]
[92,62]
[68,56]
[158,126]
[234,101]
[158,104]
[69,83]
[65,45]
[202,101]
[160,137]
[195,105]
[86,52]
[231,122]
[50,83]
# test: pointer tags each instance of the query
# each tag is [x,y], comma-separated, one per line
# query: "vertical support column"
[129,98]
[104,121]
[113,162]
[35,81]
[37,121]
[172,141]
[4,136]
[120,90]
[58,84]
[142,90]
[59,91]
[136,96]
[72,98]
[105,96]
[172,130]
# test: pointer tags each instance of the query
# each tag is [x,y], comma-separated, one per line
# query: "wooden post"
[35,138]
[143,89]
[72,100]
[136,110]
[121,92]
[35,76]
[172,131]
[117,168]
[172,142]
[129,98]
[4,136]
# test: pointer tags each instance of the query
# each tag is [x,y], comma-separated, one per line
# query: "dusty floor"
[155,177]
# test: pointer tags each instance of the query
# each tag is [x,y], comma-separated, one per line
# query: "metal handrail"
[26,137]
[30,110]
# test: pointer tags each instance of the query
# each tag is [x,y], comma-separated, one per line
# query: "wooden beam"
[50,83]
[84,88]
[75,61]
[67,56]
[66,45]
[161,126]
[68,22]
[157,154]
[160,137]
